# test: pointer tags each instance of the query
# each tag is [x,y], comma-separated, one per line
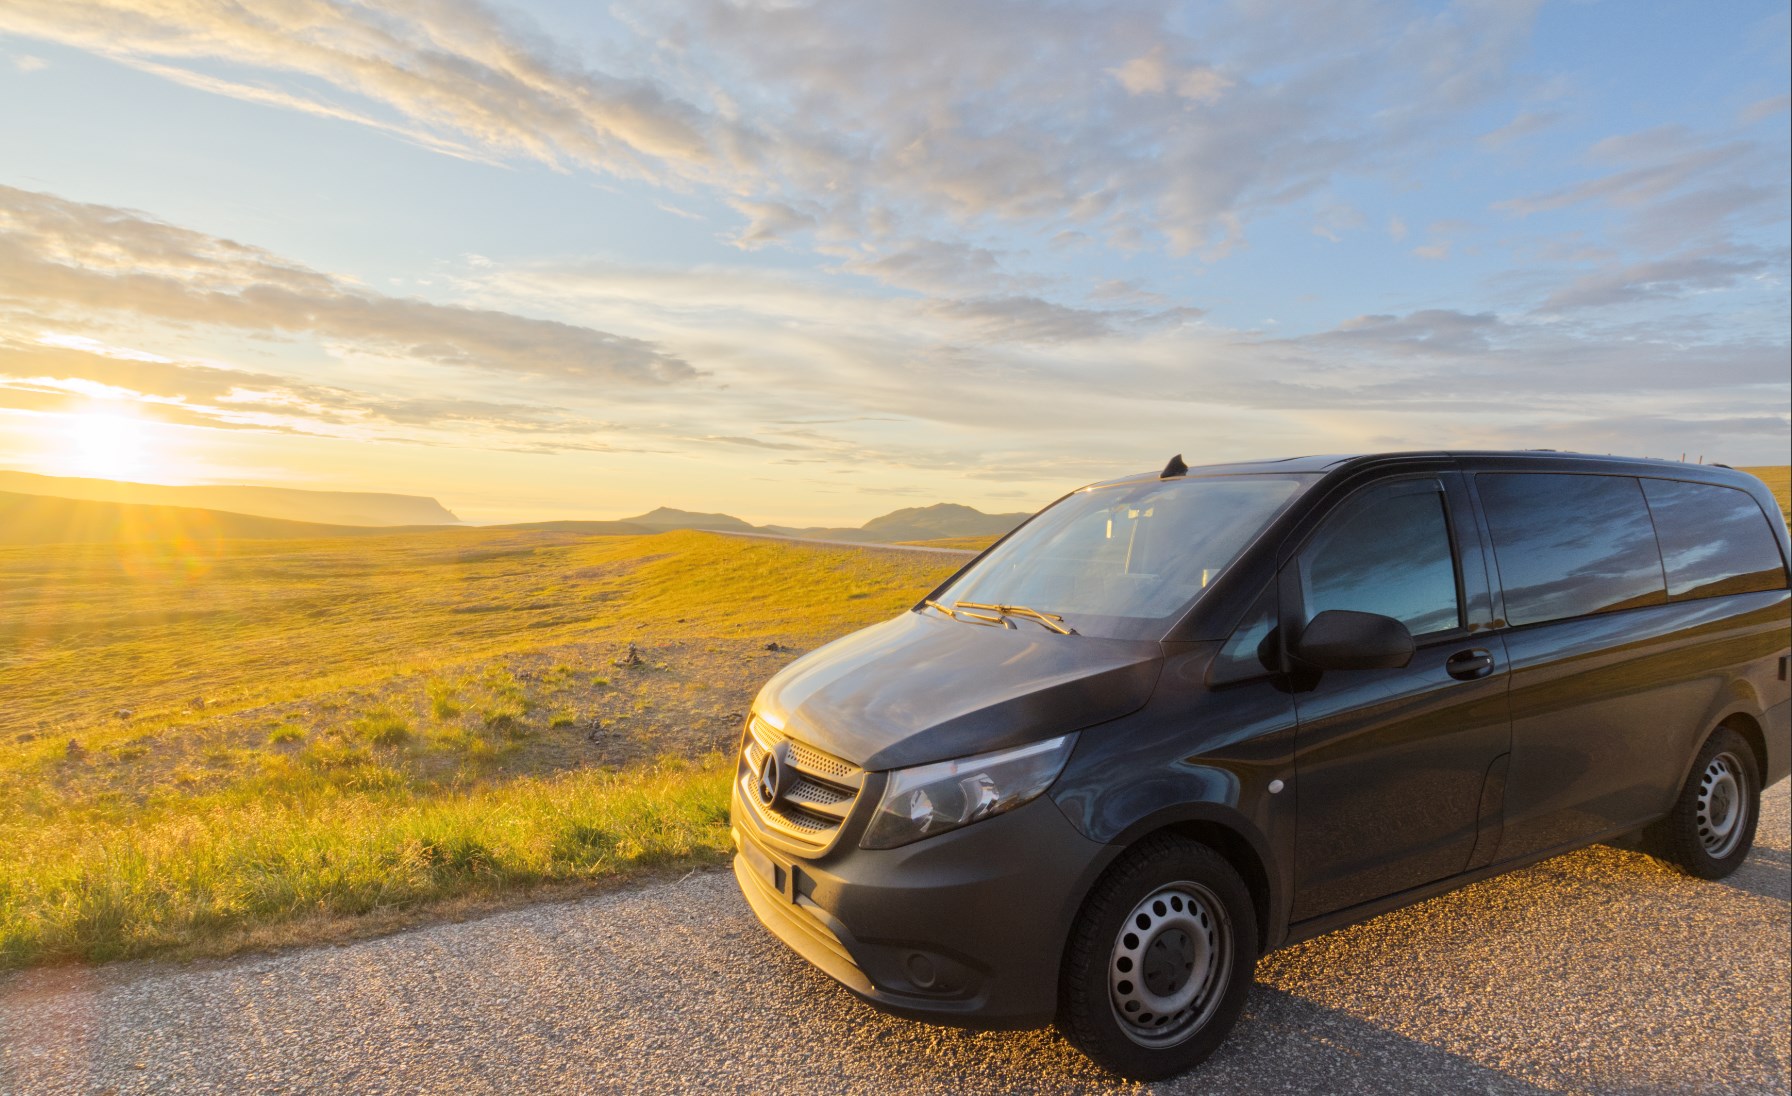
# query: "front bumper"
[965,928]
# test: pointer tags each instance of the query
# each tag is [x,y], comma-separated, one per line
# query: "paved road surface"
[1595,972]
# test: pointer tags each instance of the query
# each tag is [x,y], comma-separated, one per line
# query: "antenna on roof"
[1175,468]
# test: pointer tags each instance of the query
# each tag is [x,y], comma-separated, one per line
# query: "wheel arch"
[1238,842]
[1740,715]
[1750,729]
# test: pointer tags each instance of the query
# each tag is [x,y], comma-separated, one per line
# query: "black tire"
[1192,933]
[1711,827]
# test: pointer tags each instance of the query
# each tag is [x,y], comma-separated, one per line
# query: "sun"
[108,443]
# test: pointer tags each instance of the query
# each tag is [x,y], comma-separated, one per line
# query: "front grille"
[807,823]
[817,804]
[817,762]
[822,795]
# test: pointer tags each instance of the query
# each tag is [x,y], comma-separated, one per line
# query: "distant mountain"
[942,519]
[945,519]
[286,503]
[667,518]
[39,519]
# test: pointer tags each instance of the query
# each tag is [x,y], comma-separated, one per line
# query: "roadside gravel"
[1600,971]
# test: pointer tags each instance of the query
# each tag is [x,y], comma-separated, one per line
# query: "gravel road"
[1594,972]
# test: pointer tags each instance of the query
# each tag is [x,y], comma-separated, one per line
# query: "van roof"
[1335,462]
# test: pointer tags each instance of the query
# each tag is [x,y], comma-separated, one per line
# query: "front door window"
[1386,551]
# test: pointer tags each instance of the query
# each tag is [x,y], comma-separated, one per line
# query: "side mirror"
[1340,639]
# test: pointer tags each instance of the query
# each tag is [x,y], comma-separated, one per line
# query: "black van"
[1177,720]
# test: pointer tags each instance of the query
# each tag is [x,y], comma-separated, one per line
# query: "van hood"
[924,688]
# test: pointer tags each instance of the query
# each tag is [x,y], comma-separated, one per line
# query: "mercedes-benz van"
[1179,719]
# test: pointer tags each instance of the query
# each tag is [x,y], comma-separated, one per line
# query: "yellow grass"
[974,544]
[196,745]
[1779,479]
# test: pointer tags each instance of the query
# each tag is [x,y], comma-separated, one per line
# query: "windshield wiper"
[1050,620]
[955,612]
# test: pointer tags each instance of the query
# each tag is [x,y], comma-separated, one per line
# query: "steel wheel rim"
[1170,964]
[1723,806]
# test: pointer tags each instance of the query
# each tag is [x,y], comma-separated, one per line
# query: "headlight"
[945,795]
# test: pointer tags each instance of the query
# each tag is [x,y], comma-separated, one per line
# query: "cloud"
[1673,187]
[1027,319]
[933,266]
[453,68]
[1763,109]
[1336,219]
[939,368]
[233,398]
[1144,75]
[1662,279]
[768,223]
[60,258]
[952,390]
[1431,331]
[1153,73]
[27,63]
[1526,124]
[1115,124]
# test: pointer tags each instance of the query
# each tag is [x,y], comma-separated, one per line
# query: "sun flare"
[109,443]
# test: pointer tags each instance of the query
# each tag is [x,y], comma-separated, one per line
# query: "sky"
[808,263]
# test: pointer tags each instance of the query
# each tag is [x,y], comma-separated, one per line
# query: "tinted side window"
[1571,545]
[1714,540]
[1386,550]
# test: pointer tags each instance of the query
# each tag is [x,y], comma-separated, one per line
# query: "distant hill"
[939,521]
[667,518]
[39,519]
[286,503]
[942,519]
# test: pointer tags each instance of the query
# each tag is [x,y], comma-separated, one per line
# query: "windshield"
[1125,561]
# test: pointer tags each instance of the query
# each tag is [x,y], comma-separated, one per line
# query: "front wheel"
[1711,827]
[1159,961]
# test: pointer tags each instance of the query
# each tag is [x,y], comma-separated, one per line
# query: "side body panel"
[1607,711]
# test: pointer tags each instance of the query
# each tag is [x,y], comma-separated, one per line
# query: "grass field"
[973,544]
[1779,479]
[207,745]
[248,742]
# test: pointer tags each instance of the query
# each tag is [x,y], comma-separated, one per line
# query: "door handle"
[1470,664]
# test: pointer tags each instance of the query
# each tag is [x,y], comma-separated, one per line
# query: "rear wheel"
[1711,827]
[1160,960]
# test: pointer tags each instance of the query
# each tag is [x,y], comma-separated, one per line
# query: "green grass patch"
[382,728]
[444,701]
[232,861]
[284,733]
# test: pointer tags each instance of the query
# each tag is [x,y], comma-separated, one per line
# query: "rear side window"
[1570,545]
[1714,540]
[1387,551]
